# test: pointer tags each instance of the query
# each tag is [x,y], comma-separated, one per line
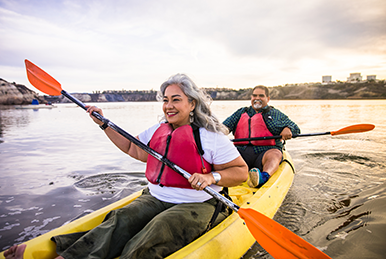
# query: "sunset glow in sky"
[113,45]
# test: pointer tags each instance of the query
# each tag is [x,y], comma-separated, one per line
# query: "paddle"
[349,129]
[276,239]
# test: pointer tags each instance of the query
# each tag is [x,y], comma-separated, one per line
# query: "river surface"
[56,165]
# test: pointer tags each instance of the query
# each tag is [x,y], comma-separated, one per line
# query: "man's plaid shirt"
[275,125]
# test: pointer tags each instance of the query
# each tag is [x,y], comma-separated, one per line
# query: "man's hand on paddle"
[286,134]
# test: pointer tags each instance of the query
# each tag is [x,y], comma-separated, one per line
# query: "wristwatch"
[216,176]
[105,125]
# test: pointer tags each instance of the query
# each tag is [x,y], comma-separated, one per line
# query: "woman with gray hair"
[202,115]
[172,211]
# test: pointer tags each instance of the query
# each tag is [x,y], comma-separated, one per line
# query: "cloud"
[100,45]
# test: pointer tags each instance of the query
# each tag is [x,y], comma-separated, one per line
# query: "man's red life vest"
[179,146]
[253,127]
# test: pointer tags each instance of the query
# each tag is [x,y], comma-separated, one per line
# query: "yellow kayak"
[229,239]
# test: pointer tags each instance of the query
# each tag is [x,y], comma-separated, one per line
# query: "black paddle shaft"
[279,137]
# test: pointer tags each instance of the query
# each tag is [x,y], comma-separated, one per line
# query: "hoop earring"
[191,118]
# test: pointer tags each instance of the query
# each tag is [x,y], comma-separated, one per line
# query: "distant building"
[354,77]
[371,77]
[326,79]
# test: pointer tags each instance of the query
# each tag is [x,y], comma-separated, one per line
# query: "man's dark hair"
[263,88]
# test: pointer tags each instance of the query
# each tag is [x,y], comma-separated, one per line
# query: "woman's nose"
[168,105]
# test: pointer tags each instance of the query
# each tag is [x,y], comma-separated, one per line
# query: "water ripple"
[111,182]
[352,223]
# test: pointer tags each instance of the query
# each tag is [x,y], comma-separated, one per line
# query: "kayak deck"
[229,239]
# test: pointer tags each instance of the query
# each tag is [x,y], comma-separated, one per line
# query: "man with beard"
[263,157]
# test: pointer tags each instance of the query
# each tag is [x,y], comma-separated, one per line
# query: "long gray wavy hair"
[203,116]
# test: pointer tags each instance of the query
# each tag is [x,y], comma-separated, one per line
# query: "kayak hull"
[229,239]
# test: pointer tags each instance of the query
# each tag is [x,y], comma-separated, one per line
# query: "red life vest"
[179,146]
[253,127]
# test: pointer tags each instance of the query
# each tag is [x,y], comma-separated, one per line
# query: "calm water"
[56,165]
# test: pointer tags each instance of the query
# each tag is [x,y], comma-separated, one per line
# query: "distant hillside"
[12,93]
[363,90]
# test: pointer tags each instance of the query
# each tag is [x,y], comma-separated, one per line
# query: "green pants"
[146,228]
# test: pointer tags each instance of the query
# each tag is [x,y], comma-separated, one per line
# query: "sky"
[96,45]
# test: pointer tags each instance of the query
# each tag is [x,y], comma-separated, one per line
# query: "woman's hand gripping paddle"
[273,237]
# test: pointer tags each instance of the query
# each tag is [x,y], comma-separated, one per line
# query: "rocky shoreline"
[17,94]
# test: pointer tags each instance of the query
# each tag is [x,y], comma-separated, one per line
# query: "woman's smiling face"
[176,106]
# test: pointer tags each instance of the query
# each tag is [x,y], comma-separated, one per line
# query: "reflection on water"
[57,165]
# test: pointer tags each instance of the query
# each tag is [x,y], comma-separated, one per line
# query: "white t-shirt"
[218,150]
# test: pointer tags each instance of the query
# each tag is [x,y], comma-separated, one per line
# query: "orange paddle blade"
[277,240]
[354,129]
[41,80]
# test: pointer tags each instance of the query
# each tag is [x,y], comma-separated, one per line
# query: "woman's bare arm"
[120,141]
